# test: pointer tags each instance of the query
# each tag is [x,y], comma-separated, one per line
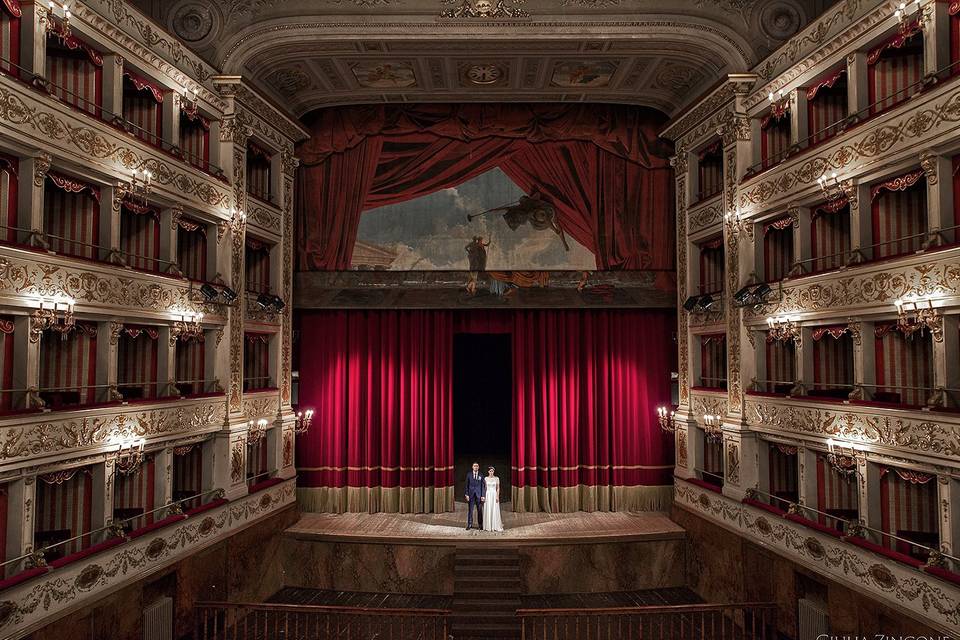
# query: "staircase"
[486,593]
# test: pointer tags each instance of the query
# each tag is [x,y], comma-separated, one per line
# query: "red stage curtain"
[6,362]
[135,492]
[899,210]
[383,155]
[711,266]
[713,361]
[71,216]
[903,362]
[954,11]
[68,364]
[192,249]
[836,493]
[137,362]
[830,235]
[188,474]
[195,139]
[585,435]
[256,361]
[64,501]
[257,266]
[895,68]
[190,366]
[10,36]
[140,236]
[142,106]
[827,106]
[781,358]
[9,184]
[783,470]
[908,506]
[832,363]
[777,249]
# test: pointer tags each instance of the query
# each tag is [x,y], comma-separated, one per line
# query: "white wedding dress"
[491,507]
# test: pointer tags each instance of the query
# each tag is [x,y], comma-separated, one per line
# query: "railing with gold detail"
[260,621]
[751,621]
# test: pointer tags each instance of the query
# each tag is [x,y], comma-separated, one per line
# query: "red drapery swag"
[895,68]
[908,506]
[195,139]
[68,363]
[827,106]
[6,362]
[136,491]
[258,172]
[902,362]
[899,214]
[140,235]
[784,471]
[599,165]
[256,361]
[190,366]
[137,362]
[192,248]
[781,359]
[836,493]
[713,361]
[832,361]
[9,188]
[381,382]
[64,506]
[10,36]
[830,235]
[777,249]
[71,216]
[258,266]
[188,474]
[142,102]
[775,134]
[711,265]
[75,71]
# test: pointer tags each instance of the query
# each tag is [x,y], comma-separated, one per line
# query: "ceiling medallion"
[484,74]
[484,9]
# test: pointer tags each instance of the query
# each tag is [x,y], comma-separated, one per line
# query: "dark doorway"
[482,406]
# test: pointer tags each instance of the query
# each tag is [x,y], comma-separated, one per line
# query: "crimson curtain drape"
[600,166]
[584,430]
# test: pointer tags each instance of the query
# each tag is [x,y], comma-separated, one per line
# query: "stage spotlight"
[742,297]
[264,300]
[705,302]
[209,292]
[278,303]
[229,295]
[690,303]
[760,292]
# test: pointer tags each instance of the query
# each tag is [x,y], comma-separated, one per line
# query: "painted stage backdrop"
[433,232]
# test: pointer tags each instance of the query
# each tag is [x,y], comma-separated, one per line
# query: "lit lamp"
[256,431]
[667,419]
[782,328]
[64,30]
[130,457]
[140,185]
[911,318]
[55,314]
[713,428]
[842,459]
[831,187]
[303,422]
[188,327]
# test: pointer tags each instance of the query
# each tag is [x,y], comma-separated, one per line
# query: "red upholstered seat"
[884,551]
[813,524]
[213,504]
[86,553]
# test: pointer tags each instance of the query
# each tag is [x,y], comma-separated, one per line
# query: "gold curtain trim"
[378,468]
[591,498]
[376,499]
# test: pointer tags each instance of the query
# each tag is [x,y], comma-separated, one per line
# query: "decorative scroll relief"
[897,584]
[732,237]
[265,219]
[683,317]
[33,435]
[706,216]
[21,276]
[33,603]
[286,338]
[934,275]
[49,123]
[919,123]
[261,406]
[681,130]
[705,403]
[937,435]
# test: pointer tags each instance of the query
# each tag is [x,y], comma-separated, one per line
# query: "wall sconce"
[912,317]
[667,419]
[130,457]
[188,104]
[831,187]
[188,327]
[256,431]
[773,97]
[140,185]
[49,18]
[782,328]
[713,428]
[843,460]
[55,314]
[901,12]
[303,422]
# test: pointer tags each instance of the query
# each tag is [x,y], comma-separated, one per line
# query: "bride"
[491,506]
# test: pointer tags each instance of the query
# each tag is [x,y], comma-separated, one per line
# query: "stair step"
[491,570]
[509,593]
[496,601]
[498,561]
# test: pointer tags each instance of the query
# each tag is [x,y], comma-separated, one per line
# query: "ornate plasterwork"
[34,436]
[31,604]
[681,447]
[706,404]
[50,124]
[261,406]
[683,318]
[267,119]
[286,336]
[266,219]
[705,216]
[732,251]
[903,586]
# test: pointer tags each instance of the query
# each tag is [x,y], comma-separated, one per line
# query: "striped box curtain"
[258,172]
[710,171]
[784,472]
[713,460]
[777,249]
[832,361]
[894,68]
[135,491]
[64,504]
[827,106]
[75,71]
[140,236]
[256,361]
[4,511]
[10,36]
[6,363]
[188,474]
[257,461]
[908,505]
[192,249]
[137,362]
[956,191]
[71,216]
[836,493]
[830,235]
[68,362]
[9,187]
[899,214]
[901,362]
[775,134]
[142,107]
[954,11]
[713,361]
[195,139]
[258,266]
[781,359]
[190,366]
[711,265]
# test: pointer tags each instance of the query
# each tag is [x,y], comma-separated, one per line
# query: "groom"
[474,495]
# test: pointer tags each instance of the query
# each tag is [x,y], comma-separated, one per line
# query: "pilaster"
[33,37]
[21,506]
[948,501]
[162,480]
[26,362]
[112,85]
[858,89]
[104,475]
[807,481]
[33,172]
[936,35]
[230,458]
[171,118]
[799,124]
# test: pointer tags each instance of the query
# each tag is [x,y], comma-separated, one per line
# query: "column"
[803,360]
[802,241]
[807,481]
[33,176]
[763,467]
[208,475]
[26,362]
[936,36]
[111,202]
[162,481]
[108,339]
[274,448]
[799,123]
[21,502]
[112,86]
[948,500]
[864,359]
[740,455]
[33,37]
[166,363]
[938,170]
[229,458]
[858,87]
[868,494]
[946,360]
[861,231]
[102,498]
[171,118]
[215,148]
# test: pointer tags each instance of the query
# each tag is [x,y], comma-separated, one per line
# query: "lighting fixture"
[842,459]
[50,19]
[911,318]
[695,304]
[773,97]
[901,11]
[140,186]
[303,421]
[752,295]
[667,419]
[713,428]
[783,328]
[209,291]
[55,314]
[831,186]
[270,302]
[229,295]
[189,104]
[256,431]
[265,300]
[129,457]
[188,327]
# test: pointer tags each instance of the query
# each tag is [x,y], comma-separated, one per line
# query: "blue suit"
[476,489]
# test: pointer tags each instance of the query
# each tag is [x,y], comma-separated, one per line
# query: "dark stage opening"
[482,406]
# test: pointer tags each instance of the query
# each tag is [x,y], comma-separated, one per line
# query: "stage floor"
[519,528]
